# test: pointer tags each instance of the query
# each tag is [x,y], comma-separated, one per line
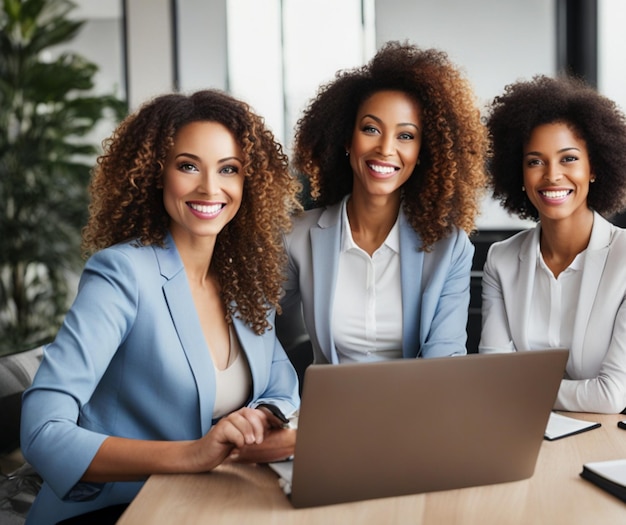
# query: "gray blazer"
[435,285]
[596,370]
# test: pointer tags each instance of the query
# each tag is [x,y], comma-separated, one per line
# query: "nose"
[208,183]
[386,145]
[553,172]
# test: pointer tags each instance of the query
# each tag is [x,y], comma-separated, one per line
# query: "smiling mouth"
[555,194]
[206,209]
[382,170]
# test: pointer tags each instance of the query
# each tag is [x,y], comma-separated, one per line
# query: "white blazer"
[595,379]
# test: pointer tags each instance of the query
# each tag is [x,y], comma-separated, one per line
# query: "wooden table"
[249,494]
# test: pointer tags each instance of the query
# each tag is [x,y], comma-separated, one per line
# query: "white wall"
[150,51]
[202,45]
[495,42]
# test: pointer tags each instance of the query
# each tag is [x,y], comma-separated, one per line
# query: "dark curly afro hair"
[597,120]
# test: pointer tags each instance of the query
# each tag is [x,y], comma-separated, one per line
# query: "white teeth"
[204,208]
[382,169]
[555,194]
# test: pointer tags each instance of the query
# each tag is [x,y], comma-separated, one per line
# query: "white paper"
[284,469]
[560,425]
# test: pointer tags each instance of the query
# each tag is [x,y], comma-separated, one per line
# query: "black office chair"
[106,516]
[292,334]
[301,355]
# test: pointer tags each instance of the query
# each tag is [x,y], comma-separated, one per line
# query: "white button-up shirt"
[367,305]
[554,302]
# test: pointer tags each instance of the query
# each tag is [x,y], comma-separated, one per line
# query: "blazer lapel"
[524,285]
[411,269]
[187,325]
[325,245]
[595,259]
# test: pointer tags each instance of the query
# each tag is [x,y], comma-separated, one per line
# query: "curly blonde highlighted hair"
[445,188]
[127,196]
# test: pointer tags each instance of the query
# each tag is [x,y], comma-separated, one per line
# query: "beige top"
[233,384]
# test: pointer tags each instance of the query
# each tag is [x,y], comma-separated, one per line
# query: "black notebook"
[608,475]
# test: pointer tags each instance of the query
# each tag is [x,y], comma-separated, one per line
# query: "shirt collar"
[347,242]
[578,262]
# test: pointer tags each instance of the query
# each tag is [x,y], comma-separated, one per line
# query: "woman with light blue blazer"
[393,155]
[167,362]
[559,158]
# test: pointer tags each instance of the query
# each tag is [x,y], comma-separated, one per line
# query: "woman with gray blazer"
[559,153]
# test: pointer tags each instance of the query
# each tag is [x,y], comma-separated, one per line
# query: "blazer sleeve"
[73,365]
[495,334]
[606,392]
[281,388]
[445,304]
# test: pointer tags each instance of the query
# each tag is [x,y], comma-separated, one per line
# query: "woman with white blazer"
[559,158]
[393,153]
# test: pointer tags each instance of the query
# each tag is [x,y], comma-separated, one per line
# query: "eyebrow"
[562,150]
[374,117]
[220,161]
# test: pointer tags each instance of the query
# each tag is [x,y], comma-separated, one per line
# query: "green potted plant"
[47,109]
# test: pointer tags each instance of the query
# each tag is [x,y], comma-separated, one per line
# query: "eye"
[570,158]
[229,170]
[187,167]
[533,162]
[406,136]
[369,128]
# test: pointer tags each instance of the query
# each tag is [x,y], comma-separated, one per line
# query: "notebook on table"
[608,475]
[371,430]
[560,426]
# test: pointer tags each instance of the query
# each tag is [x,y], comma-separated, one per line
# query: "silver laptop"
[372,430]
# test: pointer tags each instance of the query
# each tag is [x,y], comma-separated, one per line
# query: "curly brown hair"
[127,196]
[597,120]
[445,188]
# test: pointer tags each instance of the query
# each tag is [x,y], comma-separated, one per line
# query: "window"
[280,51]
[611,47]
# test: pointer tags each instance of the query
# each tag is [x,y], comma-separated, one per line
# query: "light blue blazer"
[130,360]
[435,285]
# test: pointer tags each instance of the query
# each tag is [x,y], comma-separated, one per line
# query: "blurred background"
[273,54]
